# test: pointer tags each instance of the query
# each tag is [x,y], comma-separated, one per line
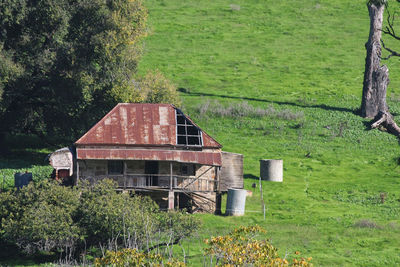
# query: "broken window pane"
[182,130]
[193,140]
[187,133]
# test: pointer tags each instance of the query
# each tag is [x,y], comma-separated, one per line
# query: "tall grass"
[215,108]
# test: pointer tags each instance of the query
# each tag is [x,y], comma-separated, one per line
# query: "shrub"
[106,216]
[45,216]
[243,248]
[40,217]
[156,88]
[132,257]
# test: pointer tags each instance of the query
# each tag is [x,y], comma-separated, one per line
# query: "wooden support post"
[77,172]
[124,171]
[217,177]
[218,204]
[171,200]
[170,176]
[171,194]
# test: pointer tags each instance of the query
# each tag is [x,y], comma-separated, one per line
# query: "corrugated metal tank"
[236,202]
[231,171]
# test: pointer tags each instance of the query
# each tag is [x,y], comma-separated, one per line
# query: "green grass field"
[297,57]
[302,56]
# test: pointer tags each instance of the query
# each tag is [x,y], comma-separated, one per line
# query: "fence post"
[262,197]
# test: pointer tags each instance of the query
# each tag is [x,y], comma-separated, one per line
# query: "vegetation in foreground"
[77,224]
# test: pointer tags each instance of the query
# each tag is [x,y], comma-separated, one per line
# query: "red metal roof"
[139,125]
[187,156]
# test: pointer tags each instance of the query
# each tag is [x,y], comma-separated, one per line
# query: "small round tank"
[236,201]
[271,170]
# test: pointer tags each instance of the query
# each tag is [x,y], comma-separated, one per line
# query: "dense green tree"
[64,63]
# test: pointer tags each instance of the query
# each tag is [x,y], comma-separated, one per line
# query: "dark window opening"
[192,131]
[182,140]
[187,133]
[180,119]
[151,167]
[188,169]
[182,130]
[194,140]
[115,167]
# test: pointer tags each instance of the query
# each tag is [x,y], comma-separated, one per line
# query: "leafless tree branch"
[390,29]
[392,52]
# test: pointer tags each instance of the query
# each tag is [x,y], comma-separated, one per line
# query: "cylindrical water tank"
[236,202]
[271,170]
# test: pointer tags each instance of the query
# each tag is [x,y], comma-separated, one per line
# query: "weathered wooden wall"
[231,171]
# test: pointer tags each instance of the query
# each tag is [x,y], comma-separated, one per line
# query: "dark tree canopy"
[64,63]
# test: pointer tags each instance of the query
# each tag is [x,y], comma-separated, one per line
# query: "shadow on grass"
[20,159]
[250,176]
[322,106]
[10,255]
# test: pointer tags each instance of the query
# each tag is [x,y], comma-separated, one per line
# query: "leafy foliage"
[156,88]
[132,257]
[67,62]
[40,217]
[241,248]
[48,217]
[106,215]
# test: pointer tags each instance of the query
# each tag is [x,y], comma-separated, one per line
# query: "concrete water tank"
[236,202]
[271,170]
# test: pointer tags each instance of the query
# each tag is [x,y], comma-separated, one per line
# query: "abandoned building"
[155,150]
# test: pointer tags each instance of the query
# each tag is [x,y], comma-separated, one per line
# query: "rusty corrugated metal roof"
[186,156]
[139,125]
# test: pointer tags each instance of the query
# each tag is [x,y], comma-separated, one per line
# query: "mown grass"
[304,57]
[298,57]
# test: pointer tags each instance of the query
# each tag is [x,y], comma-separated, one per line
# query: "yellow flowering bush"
[242,248]
[133,257]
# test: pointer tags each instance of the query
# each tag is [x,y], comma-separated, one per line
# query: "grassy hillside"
[304,59]
[282,79]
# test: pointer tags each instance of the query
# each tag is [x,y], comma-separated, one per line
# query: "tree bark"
[376,77]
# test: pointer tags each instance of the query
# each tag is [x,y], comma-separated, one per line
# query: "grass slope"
[302,56]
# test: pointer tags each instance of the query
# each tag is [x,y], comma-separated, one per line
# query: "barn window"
[187,133]
[187,169]
[115,167]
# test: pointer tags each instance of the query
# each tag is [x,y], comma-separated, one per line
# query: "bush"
[132,257]
[156,88]
[243,248]
[107,217]
[40,217]
[48,217]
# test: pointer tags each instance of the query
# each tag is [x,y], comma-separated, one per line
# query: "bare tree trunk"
[373,99]
[376,77]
